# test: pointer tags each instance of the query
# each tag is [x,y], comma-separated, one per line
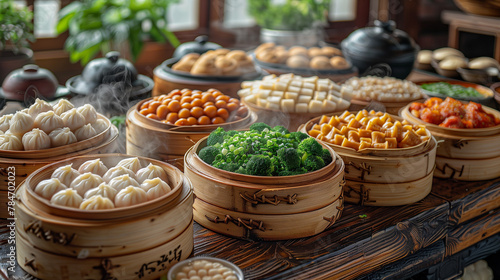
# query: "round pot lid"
[382,41]
[30,78]
[200,45]
[108,70]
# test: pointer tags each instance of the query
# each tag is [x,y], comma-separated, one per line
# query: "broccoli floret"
[281,129]
[326,156]
[241,170]
[216,136]
[231,133]
[260,126]
[259,165]
[231,166]
[208,154]
[290,158]
[299,135]
[310,146]
[313,162]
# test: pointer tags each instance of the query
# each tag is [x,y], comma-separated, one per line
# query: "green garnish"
[451,90]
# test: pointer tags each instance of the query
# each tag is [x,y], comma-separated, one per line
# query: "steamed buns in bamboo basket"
[388,162]
[131,236]
[290,100]
[466,154]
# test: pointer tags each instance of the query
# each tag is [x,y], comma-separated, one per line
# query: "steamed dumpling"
[48,121]
[97,203]
[89,112]
[131,163]
[155,188]
[62,106]
[85,182]
[99,125]
[9,141]
[103,190]
[21,123]
[121,182]
[130,196]
[66,174]
[5,122]
[95,166]
[117,171]
[151,171]
[62,136]
[38,107]
[67,197]
[73,119]
[47,188]
[36,139]
[85,132]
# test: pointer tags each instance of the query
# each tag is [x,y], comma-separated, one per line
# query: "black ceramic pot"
[381,50]
[200,45]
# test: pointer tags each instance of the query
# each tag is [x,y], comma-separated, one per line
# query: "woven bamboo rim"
[469,147]
[424,146]
[62,150]
[445,132]
[176,181]
[192,128]
[265,180]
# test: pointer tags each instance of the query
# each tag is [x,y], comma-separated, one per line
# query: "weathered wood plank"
[352,247]
[452,266]
[468,199]
[469,233]
[411,265]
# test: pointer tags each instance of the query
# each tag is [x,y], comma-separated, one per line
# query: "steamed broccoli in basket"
[264,151]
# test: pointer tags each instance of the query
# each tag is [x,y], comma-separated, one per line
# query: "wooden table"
[457,224]
[460,21]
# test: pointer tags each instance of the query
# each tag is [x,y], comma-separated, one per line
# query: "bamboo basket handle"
[249,224]
[259,197]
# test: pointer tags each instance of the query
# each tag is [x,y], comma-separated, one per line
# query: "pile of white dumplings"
[43,126]
[95,187]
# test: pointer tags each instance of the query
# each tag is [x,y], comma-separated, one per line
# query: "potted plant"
[290,22]
[104,25]
[16,31]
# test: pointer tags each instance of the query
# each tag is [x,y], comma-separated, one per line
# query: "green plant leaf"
[136,42]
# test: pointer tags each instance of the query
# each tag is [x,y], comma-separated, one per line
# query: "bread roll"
[227,66]
[339,62]
[298,50]
[320,62]
[297,61]
[186,62]
[331,51]
[314,51]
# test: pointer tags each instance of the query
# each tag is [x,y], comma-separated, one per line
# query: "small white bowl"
[178,266]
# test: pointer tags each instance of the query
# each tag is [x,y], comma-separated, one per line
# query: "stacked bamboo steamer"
[464,154]
[154,139]
[265,207]
[385,177]
[16,166]
[138,241]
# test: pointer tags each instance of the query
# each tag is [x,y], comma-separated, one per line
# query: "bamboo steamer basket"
[24,167]
[392,108]
[265,207]
[267,226]
[386,177]
[464,154]
[60,237]
[148,264]
[263,195]
[153,139]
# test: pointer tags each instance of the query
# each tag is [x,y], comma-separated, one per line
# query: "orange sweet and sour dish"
[452,113]
[193,107]
[368,130]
